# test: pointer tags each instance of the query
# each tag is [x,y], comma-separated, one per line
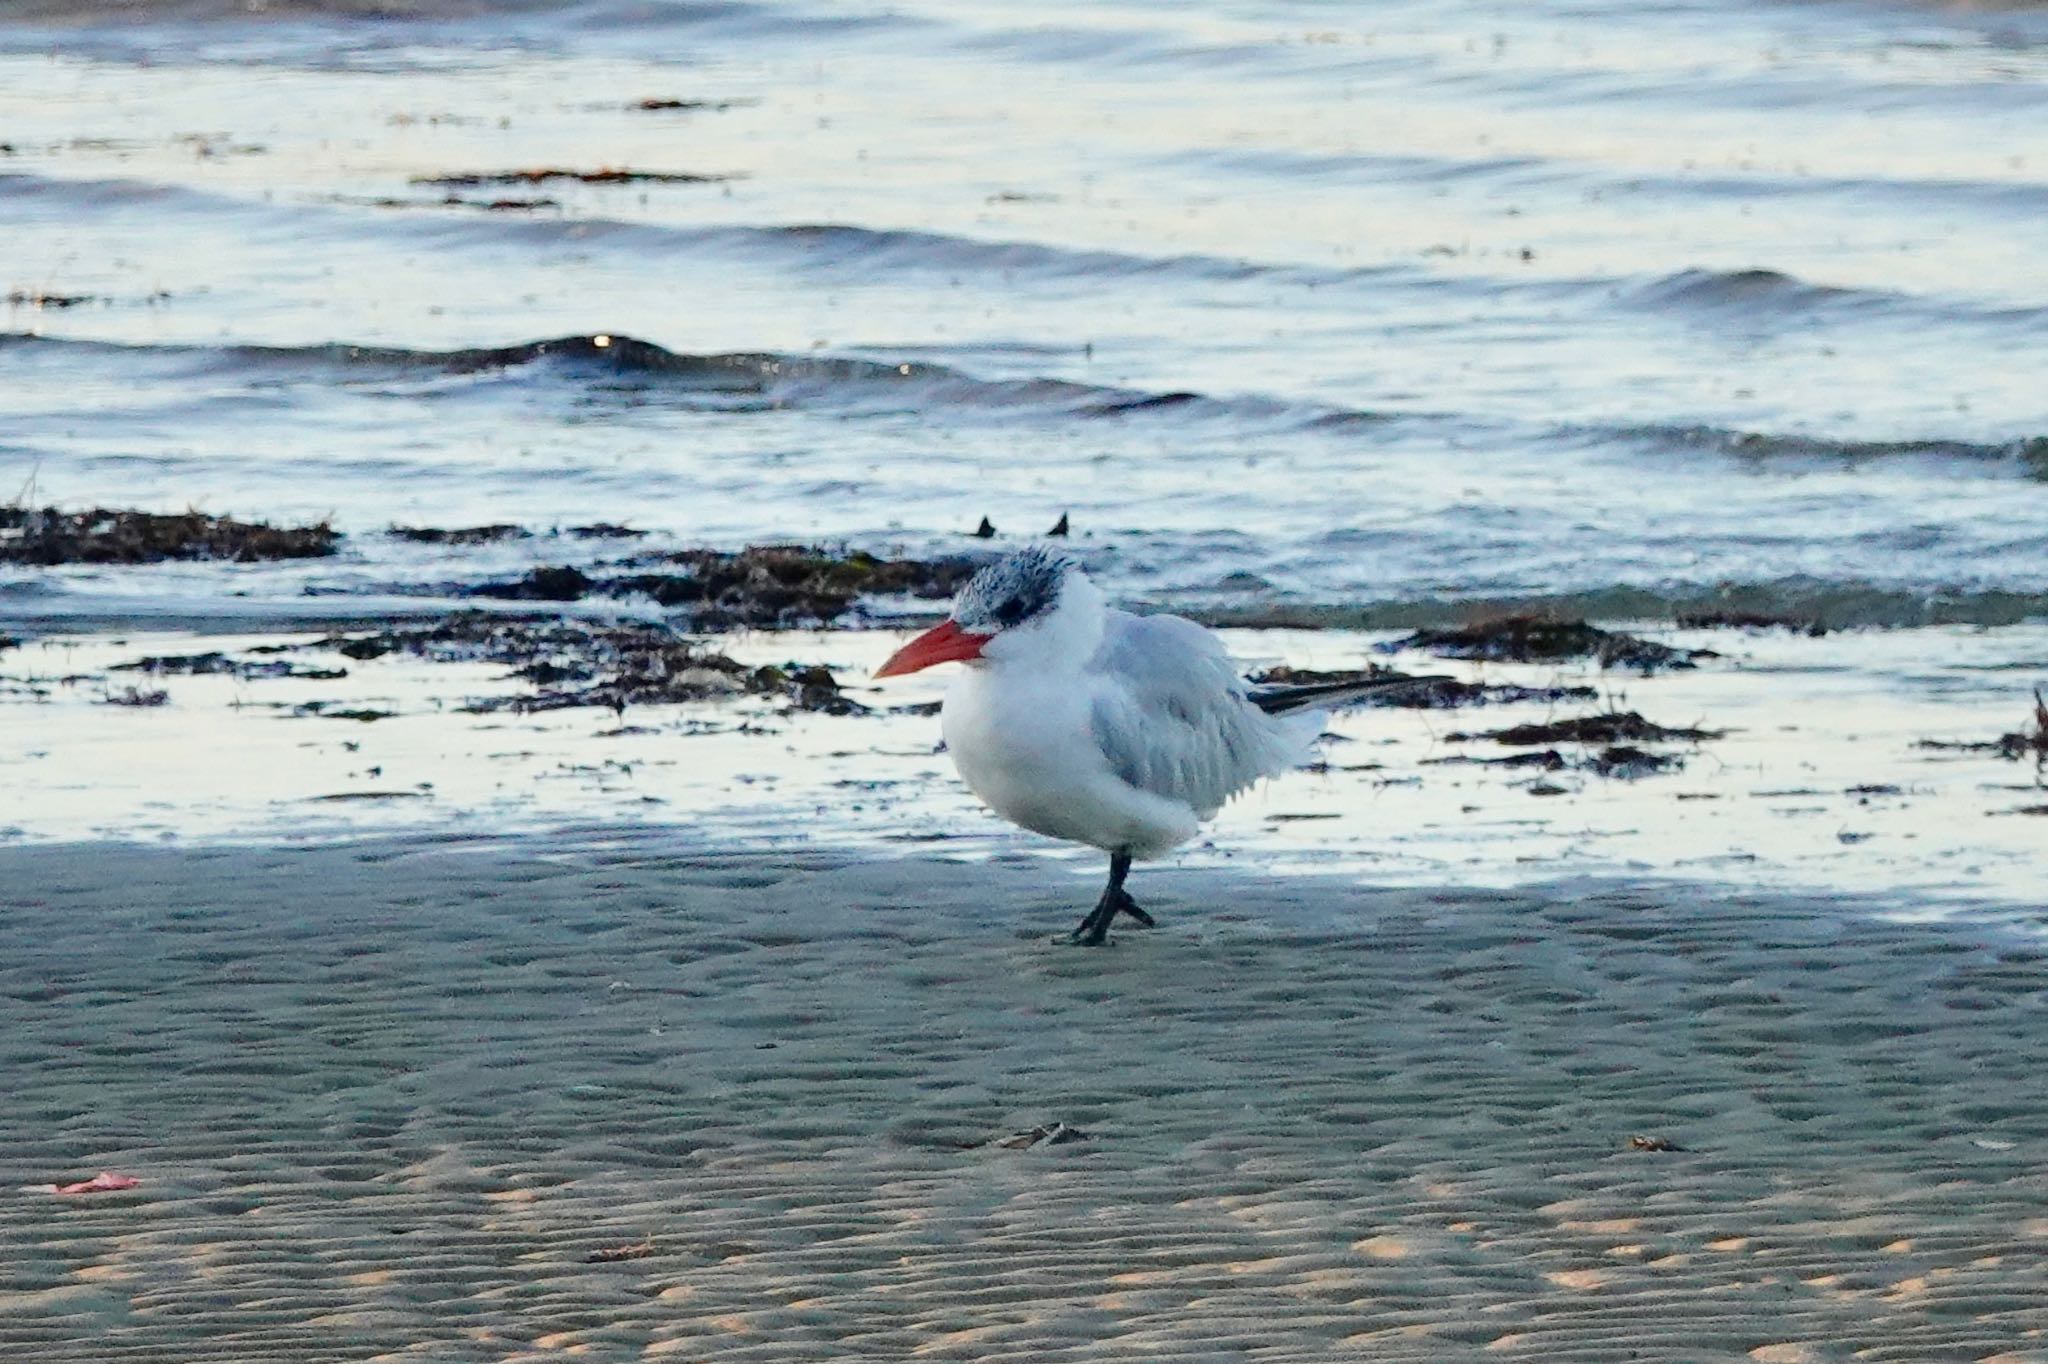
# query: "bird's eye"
[1011,611]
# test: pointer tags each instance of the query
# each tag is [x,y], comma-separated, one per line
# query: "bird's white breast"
[1025,746]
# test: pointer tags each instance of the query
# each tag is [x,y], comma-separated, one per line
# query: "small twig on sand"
[638,1250]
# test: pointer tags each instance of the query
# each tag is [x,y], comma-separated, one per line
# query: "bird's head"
[1022,603]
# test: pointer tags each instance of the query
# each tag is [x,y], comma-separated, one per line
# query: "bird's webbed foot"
[1093,931]
[1126,905]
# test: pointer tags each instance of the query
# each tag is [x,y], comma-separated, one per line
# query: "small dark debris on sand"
[48,536]
[340,796]
[605,530]
[986,530]
[571,663]
[1623,761]
[1607,728]
[9,642]
[135,696]
[500,205]
[219,664]
[1750,620]
[1653,1144]
[1446,694]
[327,710]
[541,175]
[1547,759]
[459,535]
[763,587]
[1051,1134]
[638,1250]
[1540,639]
[21,298]
[1060,527]
[660,105]
[1627,762]
[2021,743]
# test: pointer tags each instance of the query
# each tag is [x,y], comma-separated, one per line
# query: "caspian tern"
[1083,722]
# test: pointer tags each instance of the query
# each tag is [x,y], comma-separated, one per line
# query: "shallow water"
[1373,309]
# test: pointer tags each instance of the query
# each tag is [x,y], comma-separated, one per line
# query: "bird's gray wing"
[1173,717]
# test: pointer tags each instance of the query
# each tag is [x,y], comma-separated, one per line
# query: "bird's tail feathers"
[1284,700]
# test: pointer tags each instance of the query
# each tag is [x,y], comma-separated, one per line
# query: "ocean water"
[1382,309]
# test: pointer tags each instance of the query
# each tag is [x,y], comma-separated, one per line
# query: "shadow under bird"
[1087,723]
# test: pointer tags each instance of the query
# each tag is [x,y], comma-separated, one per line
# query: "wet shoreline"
[1844,761]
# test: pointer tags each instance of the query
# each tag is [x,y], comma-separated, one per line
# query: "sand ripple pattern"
[386,1098]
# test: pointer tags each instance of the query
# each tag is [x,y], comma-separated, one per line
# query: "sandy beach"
[387,1098]
[473,888]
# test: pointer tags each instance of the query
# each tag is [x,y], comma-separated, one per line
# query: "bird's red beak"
[943,643]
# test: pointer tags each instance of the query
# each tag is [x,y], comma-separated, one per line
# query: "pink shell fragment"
[106,1181]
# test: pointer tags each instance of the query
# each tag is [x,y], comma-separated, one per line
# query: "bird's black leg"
[1093,931]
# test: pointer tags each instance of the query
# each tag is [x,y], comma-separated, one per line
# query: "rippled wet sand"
[386,1098]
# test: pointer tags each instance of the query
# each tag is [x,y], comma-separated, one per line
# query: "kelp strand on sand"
[542,175]
[2030,740]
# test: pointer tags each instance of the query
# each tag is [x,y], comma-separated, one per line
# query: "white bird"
[1083,722]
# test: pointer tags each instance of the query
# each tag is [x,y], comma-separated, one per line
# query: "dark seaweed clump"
[605,530]
[763,587]
[571,664]
[495,534]
[541,584]
[461,535]
[1750,620]
[219,664]
[1444,694]
[1541,639]
[1625,761]
[1618,733]
[1610,727]
[1628,762]
[48,536]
